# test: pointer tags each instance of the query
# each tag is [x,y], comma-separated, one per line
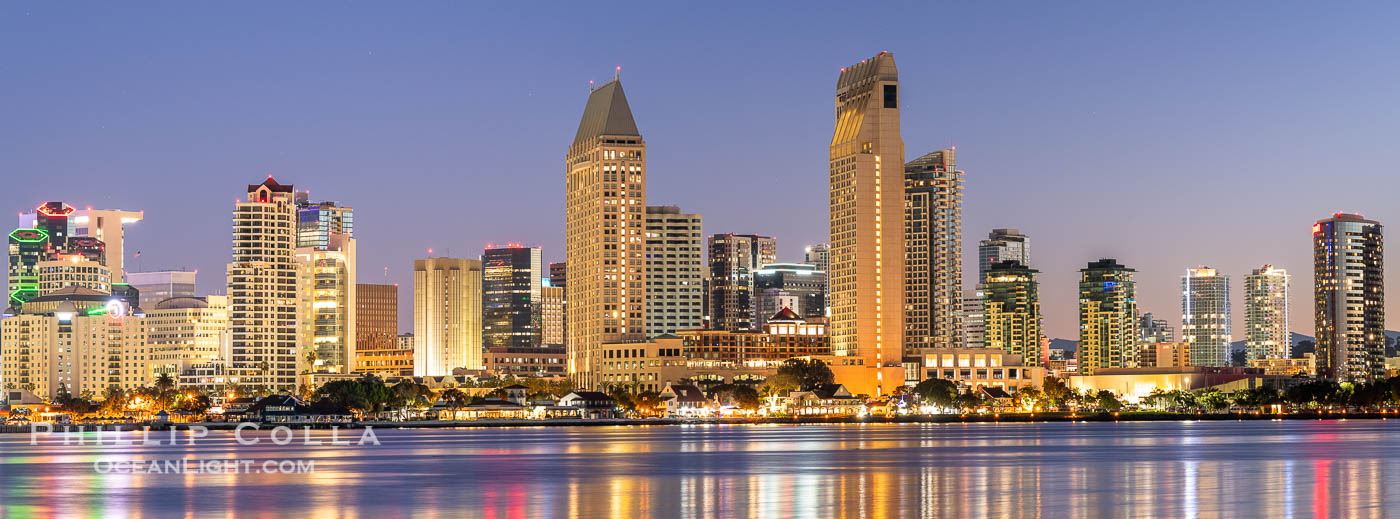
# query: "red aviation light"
[1317,228]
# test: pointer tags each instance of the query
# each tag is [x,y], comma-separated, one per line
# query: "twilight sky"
[1165,136]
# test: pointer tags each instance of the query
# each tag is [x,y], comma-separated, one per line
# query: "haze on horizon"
[1165,136]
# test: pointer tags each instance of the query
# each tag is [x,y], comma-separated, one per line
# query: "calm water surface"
[1150,469]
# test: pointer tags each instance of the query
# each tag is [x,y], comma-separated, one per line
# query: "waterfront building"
[553,309]
[183,332]
[797,286]
[158,286]
[975,367]
[533,361]
[1266,313]
[933,189]
[1108,333]
[328,300]
[446,315]
[605,197]
[377,348]
[866,157]
[74,341]
[733,260]
[263,288]
[511,278]
[1011,312]
[1306,366]
[784,335]
[1132,385]
[1349,297]
[674,262]
[1002,245]
[1205,316]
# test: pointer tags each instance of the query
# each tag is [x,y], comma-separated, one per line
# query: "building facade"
[377,347]
[75,341]
[605,197]
[158,286]
[1011,310]
[1108,318]
[675,262]
[263,288]
[511,278]
[328,301]
[866,158]
[733,260]
[553,309]
[187,331]
[1002,245]
[1349,297]
[819,255]
[1267,335]
[933,190]
[1205,316]
[1153,330]
[105,225]
[797,286]
[446,316]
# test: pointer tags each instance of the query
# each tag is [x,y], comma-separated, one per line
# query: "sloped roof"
[786,314]
[607,113]
[272,186]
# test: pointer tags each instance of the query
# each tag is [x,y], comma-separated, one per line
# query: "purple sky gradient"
[1165,136]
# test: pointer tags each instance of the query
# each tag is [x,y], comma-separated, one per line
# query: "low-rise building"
[527,361]
[590,404]
[686,401]
[1290,367]
[825,400]
[975,367]
[784,335]
[1133,384]
[1164,355]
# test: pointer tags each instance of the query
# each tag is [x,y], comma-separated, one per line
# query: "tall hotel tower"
[1349,297]
[262,287]
[446,316]
[933,252]
[1108,318]
[867,226]
[1205,316]
[605,242]
[1266,313]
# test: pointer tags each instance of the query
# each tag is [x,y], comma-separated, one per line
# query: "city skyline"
[144,134]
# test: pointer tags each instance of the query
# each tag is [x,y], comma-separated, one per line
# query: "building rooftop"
[607,113]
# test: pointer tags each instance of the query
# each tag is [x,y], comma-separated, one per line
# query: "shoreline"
[635,422]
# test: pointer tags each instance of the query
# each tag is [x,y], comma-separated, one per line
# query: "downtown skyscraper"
[1205,316]
[1108,317]
[933,252]
[674,270]
[326,257]
[1266,329]
[263,288]
[1011,311]
[605,244]
[866,160]
[511,296]
[1002,245]
[446,316]
[733,260]
[1349,297]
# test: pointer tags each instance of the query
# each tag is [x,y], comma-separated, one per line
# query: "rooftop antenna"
[617,74]
[386,275]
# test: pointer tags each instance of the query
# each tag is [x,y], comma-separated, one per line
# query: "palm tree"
[455,399]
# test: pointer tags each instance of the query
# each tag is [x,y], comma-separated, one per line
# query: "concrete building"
[328,301]
[974,334]
[819,255]
[1349,297]
[784,336]
[183,332]
[866,158]
[106,225]
[377,348]
[317,222]
[974,367]
[1108,318]
[1134,384]
[605,197]
[797,286]
[533,361]
[1011,310]
[933,252]
[511,279]
[674,262]
[558,275]
[158,286]
[1002,245]
[76,341]
[73,270]
[1153,330]
[1205,316]
[553,309]
[1164,355]
[1306,366]
[1266,331]
[263,283]
[446,316]
[733,260]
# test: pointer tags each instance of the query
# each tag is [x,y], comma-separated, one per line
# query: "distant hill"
[1064,344]
[1296,337]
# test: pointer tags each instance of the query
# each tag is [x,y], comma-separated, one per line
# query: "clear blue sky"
[1162,135]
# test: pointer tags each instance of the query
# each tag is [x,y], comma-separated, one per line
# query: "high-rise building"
[328,301]
[72,270]
[559,275]
[733,260]
[819,255]
[1205,316]
[933,252]
[1108,332]
[1349,297]
[76,341]
[263,283]
[1011,309]
[1266,330]
[28,247]
[974,318]
[799,287]
[318,221]
[866,160]
[377,347]
[1153,330]
[186,331]
[106,225]
[552,311]
[510,296]
[605,219]
[158,286]
[674,264]
[1002,245]
[446,316]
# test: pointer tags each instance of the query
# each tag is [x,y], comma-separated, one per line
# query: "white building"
[262,287]
[1266,313]
[1205,316]
[446,316]
[674,262]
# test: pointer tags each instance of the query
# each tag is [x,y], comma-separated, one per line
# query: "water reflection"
[1162,469]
